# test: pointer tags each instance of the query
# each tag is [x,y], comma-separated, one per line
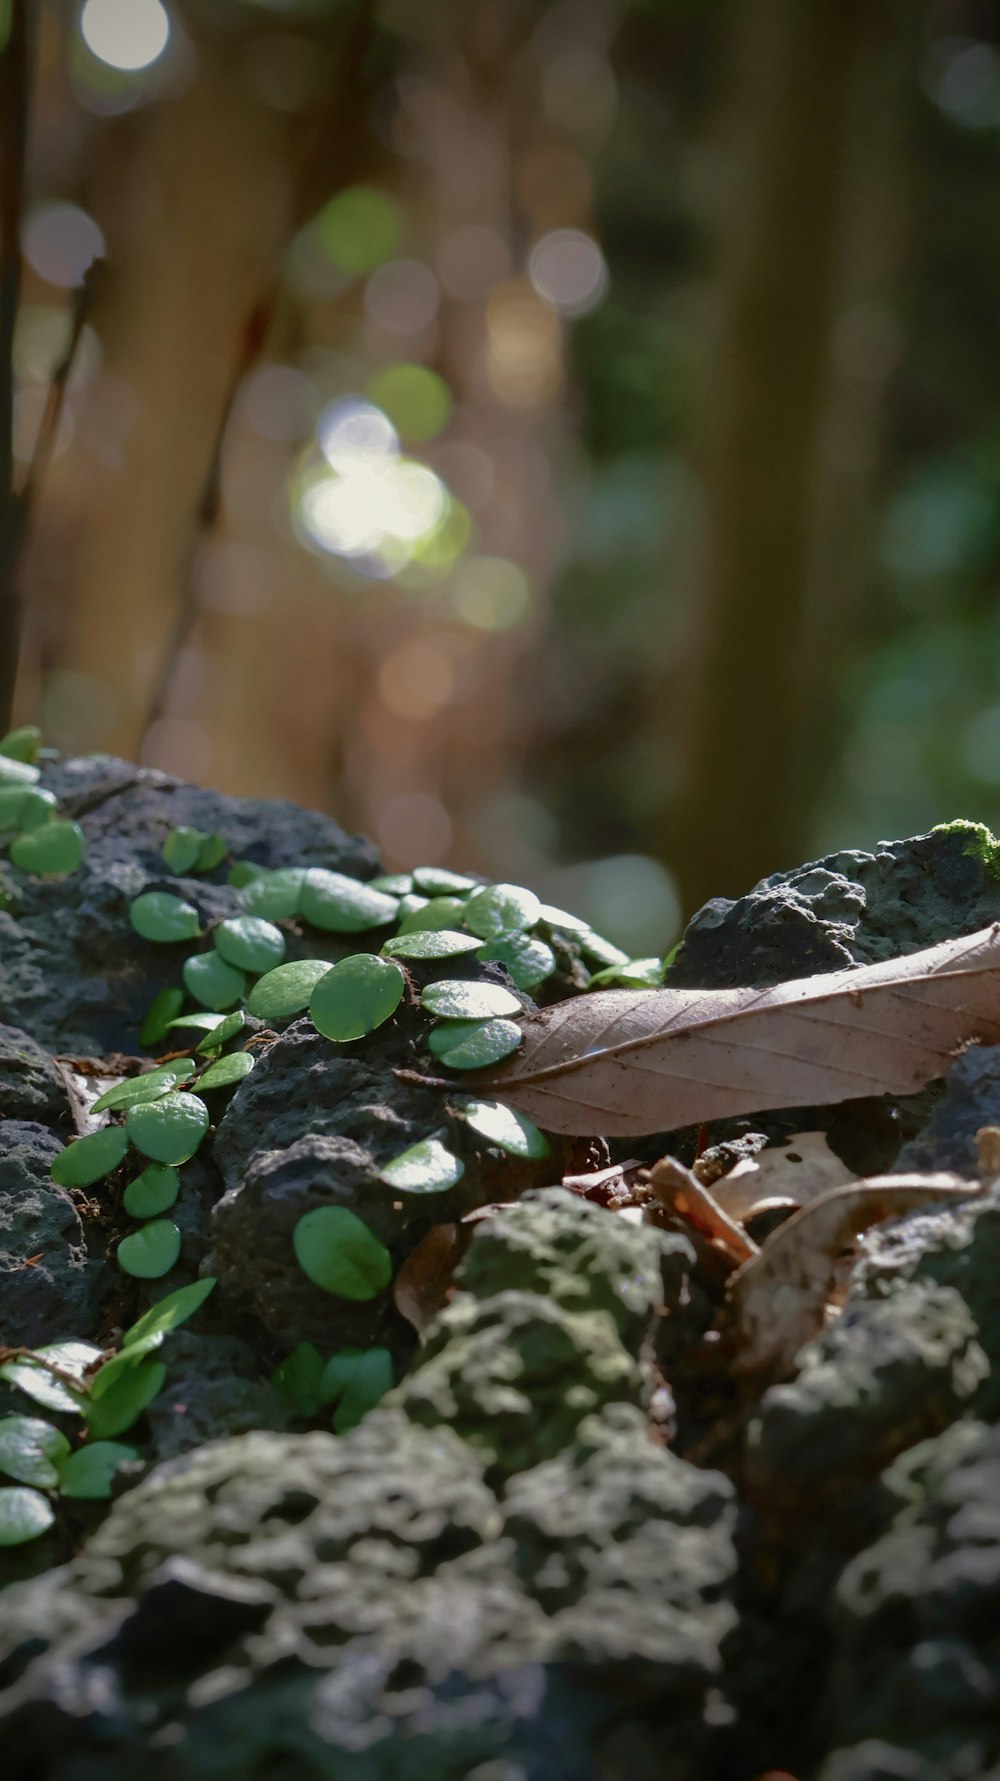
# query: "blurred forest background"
[561,440]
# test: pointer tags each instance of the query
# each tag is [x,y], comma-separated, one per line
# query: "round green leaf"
[50,851]
[157,915]
[17,772]
[90,1158]
[169,1130]
[250,943]
[338,1252]
[356,996]
[30,1450]
[436,881]
[212,982]
[198,1019]
[471,1044]
[440,943]
[152,1251]
[25,807]
[499,909]
[454,999]
[181,849]
[243,872]
[528,960]
[88,1473]
[152,1192]
[286,990]
[222,1031]
[500,1125]
[440,912]
[126,1400]
[409,905]
[24,1514]
[23,744]
[171,1311]
[634,974]
[426,1168]
[599,951]
[297,1378]
[274,895]
[148,1087]
[160,1017]
[397,884]
[342,905]
[563,920]
[359,1378]
[211,853]
[226,1071]
[44,1387]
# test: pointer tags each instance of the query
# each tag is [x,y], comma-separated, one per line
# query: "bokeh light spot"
[414,829]
[491,593]
[359,228]
[402,297]
[567,268]
[126,34]
[415,681]
[60,241]
[417,401]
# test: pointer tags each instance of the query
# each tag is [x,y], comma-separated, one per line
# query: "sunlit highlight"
[373,506]
[126,34]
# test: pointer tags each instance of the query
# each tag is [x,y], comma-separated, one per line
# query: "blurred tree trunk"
[789,428]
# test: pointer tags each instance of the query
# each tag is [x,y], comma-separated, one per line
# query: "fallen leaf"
[678,1190]
[421,1287]
[627,1062]
[779,1297]
[796,1173]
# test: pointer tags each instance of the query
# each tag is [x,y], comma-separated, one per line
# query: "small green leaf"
[212,982]
[359,1378]
[225,1029]
[599,951]
[634,974]
[23,744]
[298,1379]
[397,884]
[25,807]
[563,920]
[226,1071]
[37,1382]
[169,1130]
[171,1311]
[500,909]
[50,851]
[160,1017]
[17,772]
[528,960]
[181,849]
[30,1450]
[436,881]
[147,1087]
[157,915]
[211,853]
[150,1252]
[89,1159]
[455,999]
[440,943]
[471,1044]
[409,905]
[502,1126]
[426,1168]
[250,943]
[440,912]
[338,1252]
[89,1472]
[120,1363]
[24,1514]
[243,872]
[274,895]
[199,1020]
[286,990]
[342,905]
[125,1401]
[356,996]
[152,1192]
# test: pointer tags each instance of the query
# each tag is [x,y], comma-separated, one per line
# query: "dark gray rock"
[954,1247]
[73,972]
[970,1099]
[917,1622]
[30,1084]
[49,1285]
[215,1387]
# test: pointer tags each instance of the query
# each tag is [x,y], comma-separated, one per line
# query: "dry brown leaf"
[780,1296]
[799,1172]
[626,1062]
[421,1287]
[678,1190]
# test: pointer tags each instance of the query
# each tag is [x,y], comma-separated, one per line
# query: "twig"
[73,1380]
[48,431]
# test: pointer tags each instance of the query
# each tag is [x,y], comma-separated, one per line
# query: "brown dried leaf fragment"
[679,1191]
[798,1172]
[422,1286]
[779,1298]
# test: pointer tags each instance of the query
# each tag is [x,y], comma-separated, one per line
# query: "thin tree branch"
[15,81]
[55,401]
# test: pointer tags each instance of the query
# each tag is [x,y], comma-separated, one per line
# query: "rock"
[51,1288]
[886,1373]
[957,1248]
[970,1099]
[214,1388]
[30,1084]
[917,1622]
